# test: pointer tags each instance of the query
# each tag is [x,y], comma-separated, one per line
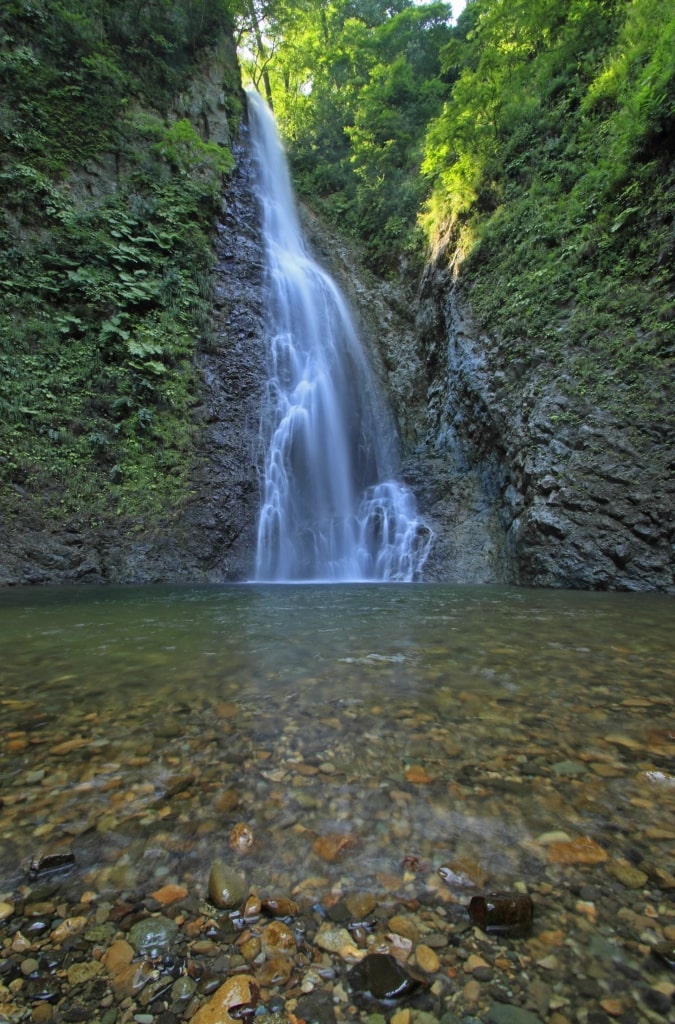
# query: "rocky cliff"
[522,480]
[209,534]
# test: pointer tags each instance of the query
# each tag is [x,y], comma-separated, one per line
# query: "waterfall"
[330,506]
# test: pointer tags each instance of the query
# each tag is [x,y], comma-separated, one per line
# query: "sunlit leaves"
[354,83]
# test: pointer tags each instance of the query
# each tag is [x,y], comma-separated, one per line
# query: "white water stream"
[331,508]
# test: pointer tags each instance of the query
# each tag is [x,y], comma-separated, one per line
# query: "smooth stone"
[69,927]
[277,939]
[332,938]
[360,904]
[240,990]
[183,989]
[316,1008]
[505,1013]
[403,926]
[280,906]
[427,959]
[381,975]
[43,1013]
[130,980]
[118,956]
[29,966]
[153,933]
[227,887]
[6,910]
[626,873]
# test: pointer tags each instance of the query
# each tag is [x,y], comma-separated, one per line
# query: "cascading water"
[330,507]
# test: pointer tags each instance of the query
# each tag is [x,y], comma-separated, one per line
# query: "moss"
[105,255]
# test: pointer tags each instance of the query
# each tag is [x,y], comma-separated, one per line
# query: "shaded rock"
[505,1013]
[383,977]
[502,912]
[227,887]
[665,951]
[316,1008]
[153,935]
[51,863]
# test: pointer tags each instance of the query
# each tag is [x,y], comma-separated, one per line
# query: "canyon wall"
[522,480]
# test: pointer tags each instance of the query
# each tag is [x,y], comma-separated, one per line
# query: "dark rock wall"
[521,478]
[552,490]
[222,519]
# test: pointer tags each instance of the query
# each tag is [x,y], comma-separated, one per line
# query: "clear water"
[529,711]
[331,507]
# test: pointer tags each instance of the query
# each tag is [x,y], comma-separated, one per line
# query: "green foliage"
[551,167]
[105,255]
[353,86]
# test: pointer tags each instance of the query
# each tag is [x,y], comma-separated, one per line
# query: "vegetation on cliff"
[552,168]
[108,200]
[534,144]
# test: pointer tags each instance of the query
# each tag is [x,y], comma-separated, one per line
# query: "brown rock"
[241,838]
[613,1007]
[43,1013]
[403,926]
[169,894]
[280,906]
[119,955]
[240,990]
[463,871]
[416,774]
[474,963]
[332,847]
[128,981]
[275,971]
[227,801]
[427,958]
[583,850]
[277,939]
[68,746]
[360,904]
[69,927]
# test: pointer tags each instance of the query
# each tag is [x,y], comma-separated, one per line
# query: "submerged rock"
[502,912]
[50,864]
[153,934]
[383,977]
[665,952]
[227,888]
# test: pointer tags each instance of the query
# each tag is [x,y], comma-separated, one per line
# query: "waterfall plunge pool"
[400,728]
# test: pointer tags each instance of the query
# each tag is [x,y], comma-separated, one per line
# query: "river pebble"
[202,854]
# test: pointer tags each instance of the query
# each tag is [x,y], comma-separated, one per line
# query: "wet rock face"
[220,524]
[524,480]
[457,489]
